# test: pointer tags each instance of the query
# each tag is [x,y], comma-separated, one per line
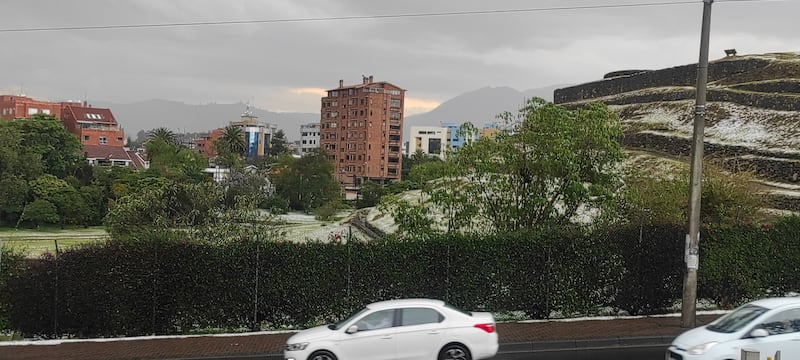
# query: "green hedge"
[163,286]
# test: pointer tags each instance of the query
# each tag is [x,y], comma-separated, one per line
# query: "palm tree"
[163,134]
[232,141]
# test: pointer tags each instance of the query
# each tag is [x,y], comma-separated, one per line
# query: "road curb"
[569,345]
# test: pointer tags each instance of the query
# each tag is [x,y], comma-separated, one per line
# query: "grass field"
[33,243]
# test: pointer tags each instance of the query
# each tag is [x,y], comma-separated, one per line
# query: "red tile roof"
[114,153]
[90,114]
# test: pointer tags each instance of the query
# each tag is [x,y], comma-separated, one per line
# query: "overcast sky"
[283,65]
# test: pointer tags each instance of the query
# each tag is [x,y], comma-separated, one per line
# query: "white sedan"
[400,329]
[767,326]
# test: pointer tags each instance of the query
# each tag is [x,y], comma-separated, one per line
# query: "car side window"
[377,320]
[783,323]
[418,316]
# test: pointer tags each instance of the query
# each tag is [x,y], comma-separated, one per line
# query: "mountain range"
[479,107]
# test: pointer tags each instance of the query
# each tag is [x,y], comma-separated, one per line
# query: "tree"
[14,195]
[278,143]
[231,146]
[45,138]
[163,205]
[307,182]
[164,135]
[39,212]
[71,206]
[250,184]
[551,165]
[371,194]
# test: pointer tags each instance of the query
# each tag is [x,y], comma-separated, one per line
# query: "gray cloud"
[435,58]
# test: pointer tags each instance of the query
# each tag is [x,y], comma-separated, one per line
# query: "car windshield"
[737,319]
[346,320]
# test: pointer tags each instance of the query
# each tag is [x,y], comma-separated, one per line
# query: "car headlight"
[701,349]
[296,346]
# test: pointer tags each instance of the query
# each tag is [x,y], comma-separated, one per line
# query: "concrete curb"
[568,345]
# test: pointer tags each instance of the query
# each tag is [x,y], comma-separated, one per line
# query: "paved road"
[617,352]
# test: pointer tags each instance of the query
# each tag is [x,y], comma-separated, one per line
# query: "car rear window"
[418,316]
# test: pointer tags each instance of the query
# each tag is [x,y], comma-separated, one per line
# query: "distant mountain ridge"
[480,107]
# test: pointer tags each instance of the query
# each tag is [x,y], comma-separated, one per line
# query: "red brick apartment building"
[205,143]
[96,128]
[14,106]
[361,130]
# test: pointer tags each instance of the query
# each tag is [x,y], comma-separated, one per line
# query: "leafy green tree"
[44,137]
[552,163]
[411,217]
[97,203]
[14,195]
[163,205]
[46,186]
[71,206]
[40,212]
[371,194]
[251,184]
[278,143]
[307,182]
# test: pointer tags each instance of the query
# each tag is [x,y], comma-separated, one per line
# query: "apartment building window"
[85,137]
[119,139]
[103,140]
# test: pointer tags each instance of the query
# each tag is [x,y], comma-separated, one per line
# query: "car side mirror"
[352,329]
[759,333]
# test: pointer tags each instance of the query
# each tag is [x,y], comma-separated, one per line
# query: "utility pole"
[692,253]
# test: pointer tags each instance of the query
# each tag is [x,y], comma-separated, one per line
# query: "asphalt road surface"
[627,352]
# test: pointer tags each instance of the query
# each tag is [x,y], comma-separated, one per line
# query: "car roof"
[776,302]
[405,302]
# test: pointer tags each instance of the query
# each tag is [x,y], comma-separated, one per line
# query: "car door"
[420,333]
[784,336]
[374,339]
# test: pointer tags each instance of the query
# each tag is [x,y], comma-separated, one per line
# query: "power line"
[361,17]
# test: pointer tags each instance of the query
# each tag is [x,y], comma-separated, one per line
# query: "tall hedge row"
[170,287]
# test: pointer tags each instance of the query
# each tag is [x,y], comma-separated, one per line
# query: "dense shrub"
[160,285]
[652,263]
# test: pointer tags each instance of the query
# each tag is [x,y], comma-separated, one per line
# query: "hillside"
[752,118]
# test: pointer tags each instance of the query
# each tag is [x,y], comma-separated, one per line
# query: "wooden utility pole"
[692,253]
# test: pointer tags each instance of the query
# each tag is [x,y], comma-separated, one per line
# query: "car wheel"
[454,352]
[322,355]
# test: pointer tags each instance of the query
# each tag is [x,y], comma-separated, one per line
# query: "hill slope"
[752,117]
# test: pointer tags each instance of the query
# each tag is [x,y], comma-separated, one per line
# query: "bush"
[11,265]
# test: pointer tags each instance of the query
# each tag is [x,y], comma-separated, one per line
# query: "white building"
[309,137]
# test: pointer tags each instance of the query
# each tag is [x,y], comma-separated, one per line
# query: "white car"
[766,326]
[399,329]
